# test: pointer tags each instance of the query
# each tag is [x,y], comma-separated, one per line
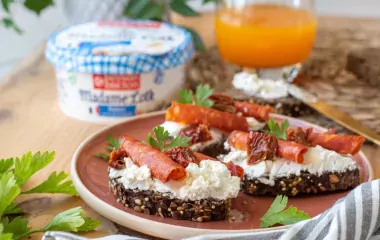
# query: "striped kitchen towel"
[354,217]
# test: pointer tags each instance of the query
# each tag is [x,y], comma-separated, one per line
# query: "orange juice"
[265,35]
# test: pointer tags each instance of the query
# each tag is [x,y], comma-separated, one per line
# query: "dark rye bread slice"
[288,106]
[305,184]
[213,150]
[163,205]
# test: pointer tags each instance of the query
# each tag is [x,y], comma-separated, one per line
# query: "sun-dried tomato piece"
[182,155]
[235,170]
[261,147]
[223,102]
[117,159]
[299,135]
[197,132]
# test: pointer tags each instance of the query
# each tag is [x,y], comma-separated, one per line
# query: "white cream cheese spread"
[253,124]
[317,160]
[211,179]
[252,85]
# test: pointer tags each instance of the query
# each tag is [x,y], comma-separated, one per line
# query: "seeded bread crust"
[305,184]
[163,205]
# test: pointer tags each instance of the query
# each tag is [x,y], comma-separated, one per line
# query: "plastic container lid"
[126,47]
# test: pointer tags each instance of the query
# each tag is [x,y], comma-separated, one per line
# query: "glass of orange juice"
[266,36]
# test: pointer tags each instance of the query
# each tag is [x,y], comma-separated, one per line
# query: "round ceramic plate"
[90,177]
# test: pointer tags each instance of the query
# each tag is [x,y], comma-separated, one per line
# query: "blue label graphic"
[116,111]
[102,44]
[88,47]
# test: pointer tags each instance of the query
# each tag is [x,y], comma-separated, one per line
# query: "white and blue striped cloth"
[355,217]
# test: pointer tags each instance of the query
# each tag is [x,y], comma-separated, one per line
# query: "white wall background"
[14,47]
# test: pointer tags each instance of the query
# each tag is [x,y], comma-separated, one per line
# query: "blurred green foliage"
[158,10]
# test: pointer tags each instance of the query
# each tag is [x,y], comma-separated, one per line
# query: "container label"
[116,82]
[109,98]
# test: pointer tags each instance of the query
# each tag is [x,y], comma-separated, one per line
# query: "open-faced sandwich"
[294,161]
[168,179]
[207,118]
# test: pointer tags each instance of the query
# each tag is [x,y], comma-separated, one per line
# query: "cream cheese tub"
[107,71]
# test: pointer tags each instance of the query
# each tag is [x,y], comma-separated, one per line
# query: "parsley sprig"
[202,93]
[14,173]
[161,140]
[277,214]
[275,130]
[113,143]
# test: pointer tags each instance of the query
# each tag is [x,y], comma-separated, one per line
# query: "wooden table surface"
[31,120]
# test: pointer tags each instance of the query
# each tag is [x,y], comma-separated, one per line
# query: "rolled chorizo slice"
[194,114]
[253,110]
[161,166]
[202,157]
[291,151]
[238,140]
[343,144]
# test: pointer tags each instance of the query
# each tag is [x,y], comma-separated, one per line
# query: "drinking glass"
[267,37]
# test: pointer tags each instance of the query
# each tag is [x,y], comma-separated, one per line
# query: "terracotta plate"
[91,180]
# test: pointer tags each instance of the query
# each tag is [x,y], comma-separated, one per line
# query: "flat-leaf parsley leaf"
[161,141]
[277,214]
[275,130]
[29,164]
[185,97]
[54,184]
[201,98]
[202,94]
[9,190]
[13,175]
[71,220]
[113,143]
[16,226]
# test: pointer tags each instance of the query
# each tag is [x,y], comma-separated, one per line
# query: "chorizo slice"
[343,144]
[291,151]
[194,114]
[161,166]
[253,110]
